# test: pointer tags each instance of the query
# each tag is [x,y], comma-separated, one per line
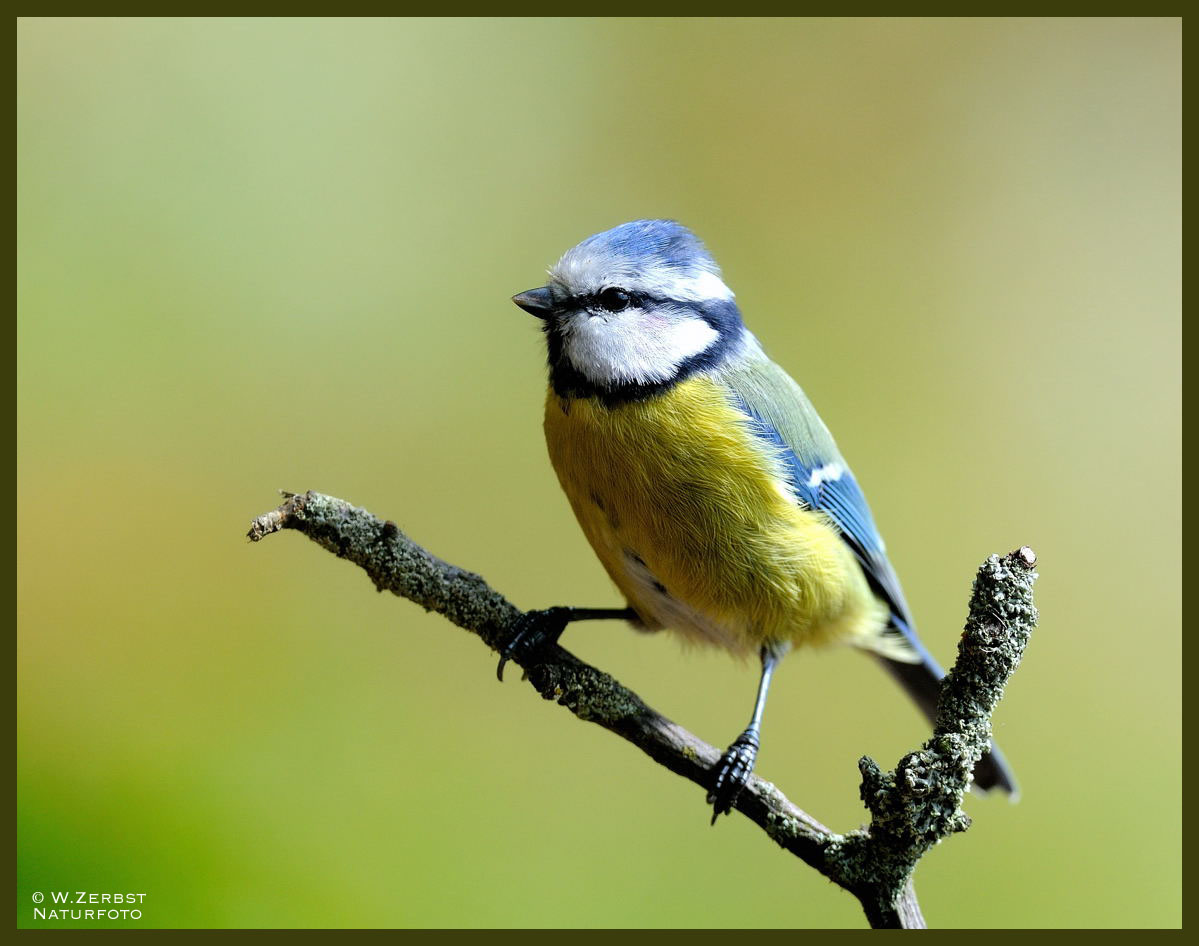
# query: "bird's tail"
[922,681]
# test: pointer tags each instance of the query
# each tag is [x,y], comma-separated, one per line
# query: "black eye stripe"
[613,299]
[637,300]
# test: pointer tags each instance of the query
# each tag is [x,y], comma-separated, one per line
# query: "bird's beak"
[536,302]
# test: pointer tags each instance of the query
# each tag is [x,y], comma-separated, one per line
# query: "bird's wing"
[781,414]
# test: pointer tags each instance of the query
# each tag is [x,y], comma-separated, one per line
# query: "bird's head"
[634,309]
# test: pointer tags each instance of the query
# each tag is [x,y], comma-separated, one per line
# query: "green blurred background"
[257,254]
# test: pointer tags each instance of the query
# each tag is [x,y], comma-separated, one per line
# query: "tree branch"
[912,808]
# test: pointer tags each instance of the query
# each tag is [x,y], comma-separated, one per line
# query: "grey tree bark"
[912,807]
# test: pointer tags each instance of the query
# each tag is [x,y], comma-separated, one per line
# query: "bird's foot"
[534,631]
[732,772]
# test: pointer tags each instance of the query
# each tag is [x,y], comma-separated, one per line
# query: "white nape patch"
[671,612]
[701,286]
[829,473]
[590,269]
[631,345]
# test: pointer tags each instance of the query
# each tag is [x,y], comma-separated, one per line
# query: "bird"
[705,481]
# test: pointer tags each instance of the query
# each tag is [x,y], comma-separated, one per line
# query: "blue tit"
[704,479]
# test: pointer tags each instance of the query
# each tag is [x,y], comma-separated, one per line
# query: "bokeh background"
[257,254]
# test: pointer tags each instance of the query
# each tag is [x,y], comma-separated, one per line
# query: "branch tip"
[912,807]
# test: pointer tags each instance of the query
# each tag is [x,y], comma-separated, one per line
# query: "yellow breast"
[688,511]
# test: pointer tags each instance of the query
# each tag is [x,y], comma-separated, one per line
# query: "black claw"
[732,773]
[534,630]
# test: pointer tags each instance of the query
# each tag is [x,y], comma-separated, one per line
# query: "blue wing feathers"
[840,497]
[842,500]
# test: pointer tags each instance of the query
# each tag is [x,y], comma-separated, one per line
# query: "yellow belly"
[688,512]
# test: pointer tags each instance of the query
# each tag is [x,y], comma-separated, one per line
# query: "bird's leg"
[538,629]
[734,767]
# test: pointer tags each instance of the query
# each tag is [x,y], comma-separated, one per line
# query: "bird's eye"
[613,299]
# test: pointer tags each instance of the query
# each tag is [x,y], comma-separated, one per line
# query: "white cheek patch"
[631,346]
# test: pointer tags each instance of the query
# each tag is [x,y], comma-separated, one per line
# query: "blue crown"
[654,243]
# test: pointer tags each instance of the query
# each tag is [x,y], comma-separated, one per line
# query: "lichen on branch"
[912,807]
